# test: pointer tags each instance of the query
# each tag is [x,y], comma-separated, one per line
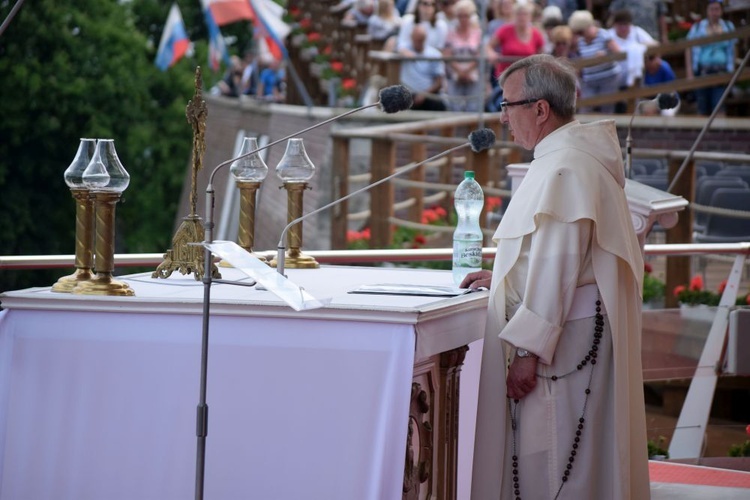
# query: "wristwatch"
[523,353]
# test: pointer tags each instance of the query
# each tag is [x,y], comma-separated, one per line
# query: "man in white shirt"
[424,77]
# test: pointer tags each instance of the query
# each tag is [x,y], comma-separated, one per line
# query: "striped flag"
[229,11]
[268,23]
[174,42]
[217,49]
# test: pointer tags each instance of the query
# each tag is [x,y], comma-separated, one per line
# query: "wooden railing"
[392,63]
[407,144]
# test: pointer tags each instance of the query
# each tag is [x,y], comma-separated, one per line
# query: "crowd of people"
[259,77]
[513,29]
[469,49]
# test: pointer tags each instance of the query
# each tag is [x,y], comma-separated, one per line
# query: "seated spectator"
[592,41]
[561,40]
[249,82]
[465,39]
[711,58]
[448,12]
[634,40]
[360,12]
[272,81]
[551,18]
[657,71]
[434,26]
[501,12]
[516,39]
[384,23]
[231,84]
[424,77]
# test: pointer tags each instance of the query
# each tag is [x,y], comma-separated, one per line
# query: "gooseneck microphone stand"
[391,94]
[281,248]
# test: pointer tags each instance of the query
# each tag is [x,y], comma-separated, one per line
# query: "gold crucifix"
[186,254]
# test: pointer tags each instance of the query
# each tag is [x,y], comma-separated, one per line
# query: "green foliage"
[656,448]
[740,450]
[85,68]
[653,288]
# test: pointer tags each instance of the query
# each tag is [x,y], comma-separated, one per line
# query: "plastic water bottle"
[467,238]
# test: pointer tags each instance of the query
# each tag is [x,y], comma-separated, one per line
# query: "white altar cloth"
[98,395]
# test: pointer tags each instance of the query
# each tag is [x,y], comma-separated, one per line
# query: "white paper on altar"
[295,296]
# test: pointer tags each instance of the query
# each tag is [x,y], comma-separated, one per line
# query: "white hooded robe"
[568,225]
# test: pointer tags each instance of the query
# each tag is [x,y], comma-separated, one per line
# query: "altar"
[358,399]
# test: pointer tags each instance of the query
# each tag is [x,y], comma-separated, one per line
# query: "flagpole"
[298,82]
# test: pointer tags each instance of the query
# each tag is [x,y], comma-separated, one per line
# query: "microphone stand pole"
[281,248]
[710,120]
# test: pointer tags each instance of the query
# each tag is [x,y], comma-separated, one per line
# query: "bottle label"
[467,253]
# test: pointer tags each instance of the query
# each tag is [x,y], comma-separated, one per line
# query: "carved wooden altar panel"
[431,463]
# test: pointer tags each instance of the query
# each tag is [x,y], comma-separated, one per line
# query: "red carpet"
[665,472]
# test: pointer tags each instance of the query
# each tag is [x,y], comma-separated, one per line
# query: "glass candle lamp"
[84,256]
[294,170]
[248,172]
[106,178]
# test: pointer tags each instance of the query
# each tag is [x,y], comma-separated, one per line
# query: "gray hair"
[549,78]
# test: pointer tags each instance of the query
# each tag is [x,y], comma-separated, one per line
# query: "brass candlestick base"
[103,284]
[294,258]
[84,243]
[298,260]
[66,284]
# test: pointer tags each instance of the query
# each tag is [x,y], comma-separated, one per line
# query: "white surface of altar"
[98,395]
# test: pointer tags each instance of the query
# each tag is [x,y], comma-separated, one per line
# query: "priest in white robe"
[561,411]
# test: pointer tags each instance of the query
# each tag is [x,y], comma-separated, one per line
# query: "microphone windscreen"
[668,101]
[481,139]
[395,98]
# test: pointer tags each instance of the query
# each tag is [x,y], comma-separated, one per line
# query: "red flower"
[327,50]
[352,236]
[647,267]
[722,286]
[696,283]
[313,37]
[305,23]
[747,430]
[429,216]
[366,233]
[420,239]
[441,212]
[493,202]
[295,11]
[337,66]
[678,290]
[349,84]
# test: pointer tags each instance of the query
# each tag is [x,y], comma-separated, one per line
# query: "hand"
[521,377]
[477,279]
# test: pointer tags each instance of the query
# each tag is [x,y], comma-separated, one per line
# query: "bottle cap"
[468,174]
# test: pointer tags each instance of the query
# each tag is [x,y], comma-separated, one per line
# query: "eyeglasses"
[505,104]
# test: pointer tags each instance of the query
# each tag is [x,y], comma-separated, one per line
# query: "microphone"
[668,100]
[479,140]
[390,100]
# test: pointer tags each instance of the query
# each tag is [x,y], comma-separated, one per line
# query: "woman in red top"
[516,39]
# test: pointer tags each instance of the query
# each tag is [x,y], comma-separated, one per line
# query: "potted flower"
[742,449]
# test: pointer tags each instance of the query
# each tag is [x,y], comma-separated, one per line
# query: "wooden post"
[678,268]
[418,153]
[382,160]
[339,188]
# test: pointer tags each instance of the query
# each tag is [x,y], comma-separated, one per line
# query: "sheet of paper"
[295,296]
[412,289]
